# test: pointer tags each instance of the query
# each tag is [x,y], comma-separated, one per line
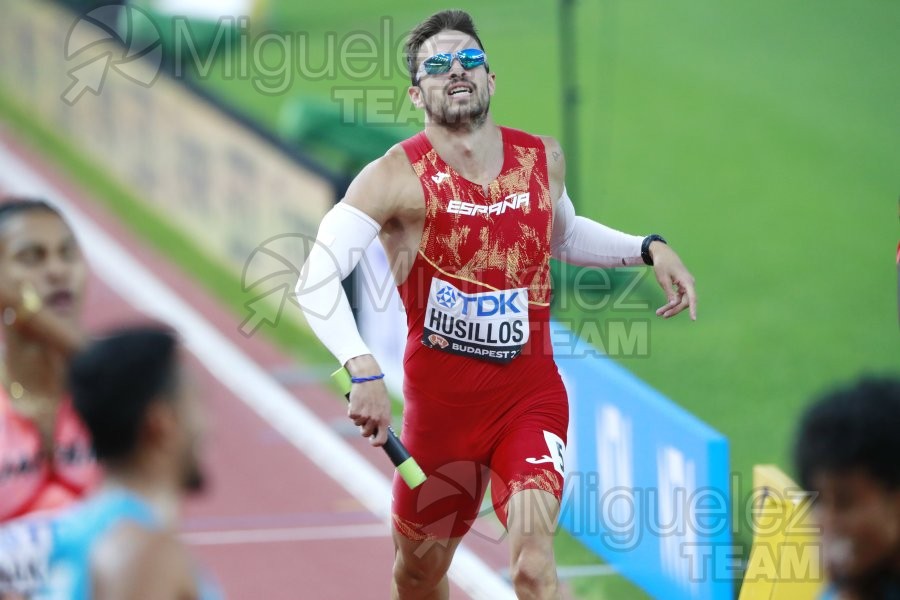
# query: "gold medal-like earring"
[28,306]
[31,301]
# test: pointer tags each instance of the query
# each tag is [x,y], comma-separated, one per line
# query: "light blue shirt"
[829,594]
[50,557]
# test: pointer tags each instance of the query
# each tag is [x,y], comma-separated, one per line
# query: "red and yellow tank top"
[477,297]
[30,482]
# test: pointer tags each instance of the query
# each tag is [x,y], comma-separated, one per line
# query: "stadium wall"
[224,183]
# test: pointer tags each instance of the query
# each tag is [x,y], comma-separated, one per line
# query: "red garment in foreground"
[31,482]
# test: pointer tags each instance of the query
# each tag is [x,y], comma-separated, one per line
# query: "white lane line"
[576,571]
[289,534]
[238,372]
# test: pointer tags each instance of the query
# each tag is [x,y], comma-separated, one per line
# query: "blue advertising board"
[647,482]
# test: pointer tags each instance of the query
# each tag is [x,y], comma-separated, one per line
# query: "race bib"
[25,548]
[491,326]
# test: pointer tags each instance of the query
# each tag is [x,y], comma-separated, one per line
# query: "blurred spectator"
[848,453]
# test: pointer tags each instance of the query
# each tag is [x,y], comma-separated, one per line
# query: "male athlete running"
[469,214]
[45,456]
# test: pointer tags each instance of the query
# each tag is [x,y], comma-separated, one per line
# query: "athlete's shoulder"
[556,160]
[384,173]
[384,186]
[132,557]
[551,144]
[397,157]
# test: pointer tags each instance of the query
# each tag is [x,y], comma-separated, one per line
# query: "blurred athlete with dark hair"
[469,214]
[121,543]
[144,418]
[848,452]
[45,457]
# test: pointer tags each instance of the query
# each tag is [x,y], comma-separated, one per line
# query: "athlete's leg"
[528,465]
[420,568]
[430,520]
[429,523]
[531,522]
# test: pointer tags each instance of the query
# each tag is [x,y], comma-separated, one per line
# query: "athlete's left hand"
[675,280]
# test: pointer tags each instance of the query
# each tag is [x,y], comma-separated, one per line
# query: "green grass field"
[760,138]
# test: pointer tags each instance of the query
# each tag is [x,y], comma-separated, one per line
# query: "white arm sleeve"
[344,234]
[580,241]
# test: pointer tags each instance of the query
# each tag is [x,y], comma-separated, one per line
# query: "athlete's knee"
[417,575]
[534,571]
[418,570]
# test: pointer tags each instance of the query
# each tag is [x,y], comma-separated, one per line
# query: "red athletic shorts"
[512,437]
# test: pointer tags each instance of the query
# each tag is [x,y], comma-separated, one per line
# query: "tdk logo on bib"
[481,305]
[491,325]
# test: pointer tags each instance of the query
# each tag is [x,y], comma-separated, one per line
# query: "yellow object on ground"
[786,557]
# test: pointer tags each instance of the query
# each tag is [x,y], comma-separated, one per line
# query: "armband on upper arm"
[344,235]
[581,241]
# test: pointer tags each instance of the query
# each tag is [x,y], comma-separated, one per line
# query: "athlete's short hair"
[116,378]
[11,206]
[445,20]
[856,427]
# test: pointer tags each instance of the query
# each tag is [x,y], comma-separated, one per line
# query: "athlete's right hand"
[370,405]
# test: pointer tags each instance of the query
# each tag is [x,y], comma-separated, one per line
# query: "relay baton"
[406,465]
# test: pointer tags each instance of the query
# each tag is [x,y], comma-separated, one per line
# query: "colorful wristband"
[365,379]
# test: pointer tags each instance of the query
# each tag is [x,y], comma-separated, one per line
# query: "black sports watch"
[645,247]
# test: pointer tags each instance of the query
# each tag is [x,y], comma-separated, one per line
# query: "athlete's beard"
[193,479]
[443,111]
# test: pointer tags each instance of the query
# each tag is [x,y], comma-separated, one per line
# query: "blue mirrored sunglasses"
[469,58]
